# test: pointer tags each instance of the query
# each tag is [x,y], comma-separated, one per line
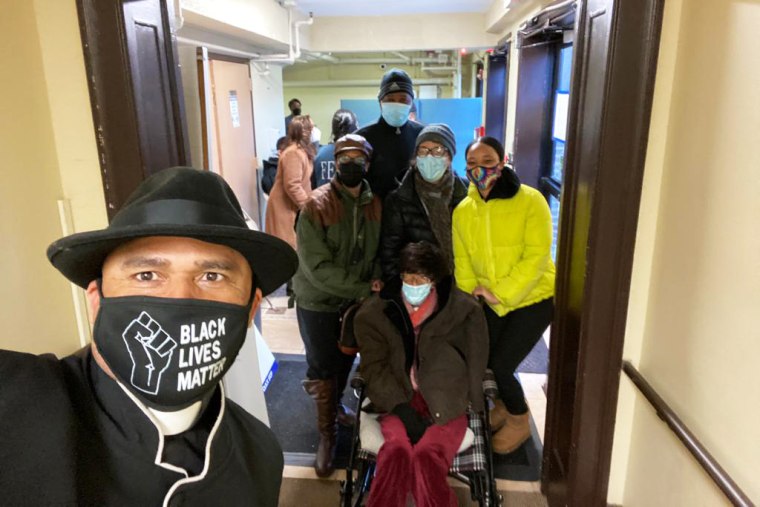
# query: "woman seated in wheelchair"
[424,347]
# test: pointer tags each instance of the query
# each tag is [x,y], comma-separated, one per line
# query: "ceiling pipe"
[402,56]
[294,50]
[439,69]
[400,61]
[327,57]
[219,49]
[359,83]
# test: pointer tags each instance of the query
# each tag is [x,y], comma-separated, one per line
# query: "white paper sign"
[234,111]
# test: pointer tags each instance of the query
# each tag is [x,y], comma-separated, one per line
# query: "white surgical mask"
[395,114]
[416,294]
[432,168]
[316,134]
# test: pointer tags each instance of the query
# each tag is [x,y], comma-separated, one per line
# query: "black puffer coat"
[405,220]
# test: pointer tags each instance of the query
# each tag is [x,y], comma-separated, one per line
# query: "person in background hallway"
[420,209]
[295,110]
[292,184]
[424,348]
[270,166]
[343,122]
[338,234]
[393,135]
[139,417]
[502,233]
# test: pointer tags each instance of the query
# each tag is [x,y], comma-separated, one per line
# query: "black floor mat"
[292,415]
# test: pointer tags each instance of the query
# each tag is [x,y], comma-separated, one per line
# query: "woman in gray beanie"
[420,209]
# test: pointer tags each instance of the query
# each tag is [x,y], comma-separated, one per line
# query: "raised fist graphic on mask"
[150,348]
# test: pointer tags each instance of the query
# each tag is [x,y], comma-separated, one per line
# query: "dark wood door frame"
[135,87]
[616,48]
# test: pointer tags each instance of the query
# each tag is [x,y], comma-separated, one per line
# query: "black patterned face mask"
[169,352]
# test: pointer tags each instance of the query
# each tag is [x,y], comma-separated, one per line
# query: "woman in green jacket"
[502,235]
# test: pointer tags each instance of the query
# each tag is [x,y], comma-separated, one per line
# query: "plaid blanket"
[472,459]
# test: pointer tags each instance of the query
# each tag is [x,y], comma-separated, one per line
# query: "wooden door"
[616,49]
[235,152]
[135,91]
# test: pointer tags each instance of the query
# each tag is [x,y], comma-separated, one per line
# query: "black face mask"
[350,174]
[168,352]
[297,111]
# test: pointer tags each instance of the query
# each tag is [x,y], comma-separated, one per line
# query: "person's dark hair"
[295,135]
[282,143]
[343,122]
[488,141]
[423,258]
[291,102]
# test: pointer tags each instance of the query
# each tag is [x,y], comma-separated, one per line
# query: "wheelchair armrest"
[489,385]
[358,382]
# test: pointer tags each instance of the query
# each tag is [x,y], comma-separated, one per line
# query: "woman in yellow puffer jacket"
[502,235]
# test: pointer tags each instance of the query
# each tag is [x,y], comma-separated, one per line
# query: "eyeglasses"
[438,151]
[346,159]
[415,279]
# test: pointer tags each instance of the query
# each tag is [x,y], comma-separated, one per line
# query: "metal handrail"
[721,478]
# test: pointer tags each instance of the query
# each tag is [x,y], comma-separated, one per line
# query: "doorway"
[606,142]
[228,128]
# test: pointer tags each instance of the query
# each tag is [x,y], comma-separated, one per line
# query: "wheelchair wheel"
[356,486]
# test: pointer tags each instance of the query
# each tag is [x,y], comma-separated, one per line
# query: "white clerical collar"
[173,423]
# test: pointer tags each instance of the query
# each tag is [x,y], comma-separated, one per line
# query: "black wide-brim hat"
[183,202]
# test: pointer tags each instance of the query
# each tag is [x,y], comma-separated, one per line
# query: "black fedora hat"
[185,202]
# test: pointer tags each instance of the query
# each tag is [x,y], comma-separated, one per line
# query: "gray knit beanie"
[439,133]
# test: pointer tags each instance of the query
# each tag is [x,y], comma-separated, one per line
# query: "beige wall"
[260,22]
[48,149]
[696,276]
[400,33]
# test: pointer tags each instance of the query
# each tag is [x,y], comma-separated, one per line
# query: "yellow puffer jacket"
[505,246]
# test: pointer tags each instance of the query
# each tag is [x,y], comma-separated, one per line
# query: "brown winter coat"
[452,352]
[291,190]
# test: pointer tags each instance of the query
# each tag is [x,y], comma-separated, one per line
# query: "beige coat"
[290,192]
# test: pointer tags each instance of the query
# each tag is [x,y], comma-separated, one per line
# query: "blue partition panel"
[462,115]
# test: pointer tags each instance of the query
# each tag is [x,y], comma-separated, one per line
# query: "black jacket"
[405,220]
[69,435]
[452,351]
[269,174]
[392,149]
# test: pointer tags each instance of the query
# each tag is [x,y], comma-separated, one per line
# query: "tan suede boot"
[323,393]
[513,434]
[497,416]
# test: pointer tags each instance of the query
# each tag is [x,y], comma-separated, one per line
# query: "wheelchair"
[473,464]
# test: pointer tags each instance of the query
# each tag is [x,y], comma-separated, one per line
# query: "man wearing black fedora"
[140,416]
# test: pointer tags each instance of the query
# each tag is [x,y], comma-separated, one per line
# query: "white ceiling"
[390,7]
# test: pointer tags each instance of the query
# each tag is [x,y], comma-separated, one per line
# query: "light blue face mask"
[395,114]
[432,168]
[416,294]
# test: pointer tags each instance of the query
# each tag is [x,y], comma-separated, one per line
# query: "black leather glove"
[414,423]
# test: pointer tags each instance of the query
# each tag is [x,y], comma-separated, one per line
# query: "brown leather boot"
[513,434]
[323,393]
[497,416]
